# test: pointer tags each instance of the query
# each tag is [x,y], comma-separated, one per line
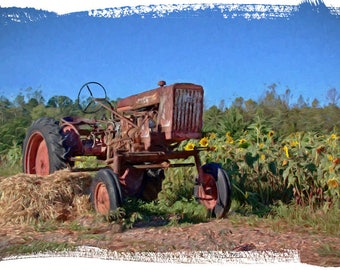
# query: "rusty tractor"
[135,140]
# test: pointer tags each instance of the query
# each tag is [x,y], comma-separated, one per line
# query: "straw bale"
[30,198]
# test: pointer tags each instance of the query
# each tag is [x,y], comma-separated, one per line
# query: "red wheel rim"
[36,157]
[207,191]
[102,199]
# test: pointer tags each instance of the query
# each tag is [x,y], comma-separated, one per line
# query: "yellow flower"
[271,133]
[230,139]
[204,142]
[242,141]
[212,136]
[263,157]
[330,157]
[333,136]
[294,143]
[332,183]
[285,148]
[189,147]
[261,145]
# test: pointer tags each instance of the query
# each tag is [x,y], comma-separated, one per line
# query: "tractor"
[135,139]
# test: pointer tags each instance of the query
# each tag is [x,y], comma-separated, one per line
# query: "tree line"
[272,110]
[276,112]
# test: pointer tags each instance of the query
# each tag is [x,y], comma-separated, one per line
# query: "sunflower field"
[302,168]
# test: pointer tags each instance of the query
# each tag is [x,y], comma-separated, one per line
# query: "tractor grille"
[188,111]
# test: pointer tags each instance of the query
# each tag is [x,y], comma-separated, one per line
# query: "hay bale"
[29,198]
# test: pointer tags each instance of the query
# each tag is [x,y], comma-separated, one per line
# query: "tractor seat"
[76,120]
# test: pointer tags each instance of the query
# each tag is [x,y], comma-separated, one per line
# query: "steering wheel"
[91,96]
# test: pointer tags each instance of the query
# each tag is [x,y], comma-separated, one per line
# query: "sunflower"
[189,147]
[230,139]
[241,141]
[212,136]
[333,136]
[294,143]
[204,142]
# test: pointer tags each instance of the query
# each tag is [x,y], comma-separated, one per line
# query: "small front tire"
[106,195]
[214,190]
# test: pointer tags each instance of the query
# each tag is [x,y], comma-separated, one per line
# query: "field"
[285,196]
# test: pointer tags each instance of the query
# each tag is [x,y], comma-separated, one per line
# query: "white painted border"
[64,7]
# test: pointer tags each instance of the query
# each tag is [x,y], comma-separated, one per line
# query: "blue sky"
[230,57]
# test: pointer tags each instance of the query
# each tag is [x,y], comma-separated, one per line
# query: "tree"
[5,104]
[315,103]
[64,105]
[212,119]
[333,96]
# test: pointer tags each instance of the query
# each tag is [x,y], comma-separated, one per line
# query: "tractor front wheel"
[43,151]
[106,195]
[214,190]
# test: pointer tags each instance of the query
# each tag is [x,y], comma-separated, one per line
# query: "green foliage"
[264,169]
[11,160]
[180,211]
[175,203]
[309,168]
[178,184]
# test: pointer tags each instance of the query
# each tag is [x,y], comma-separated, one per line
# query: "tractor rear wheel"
[106,195]
[43,151]
[214,190]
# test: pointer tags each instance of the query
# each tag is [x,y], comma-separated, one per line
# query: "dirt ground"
[216,235]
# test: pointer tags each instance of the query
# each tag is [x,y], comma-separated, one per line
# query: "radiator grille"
[188,111]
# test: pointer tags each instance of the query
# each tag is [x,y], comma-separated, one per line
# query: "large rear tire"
[214,191]
[106,194]
[43,150]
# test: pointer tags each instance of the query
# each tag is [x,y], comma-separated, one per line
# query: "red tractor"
[136,140]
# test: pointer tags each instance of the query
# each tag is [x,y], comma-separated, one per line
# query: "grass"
[7,169]
[35,247]
[305,219]
[284,217]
